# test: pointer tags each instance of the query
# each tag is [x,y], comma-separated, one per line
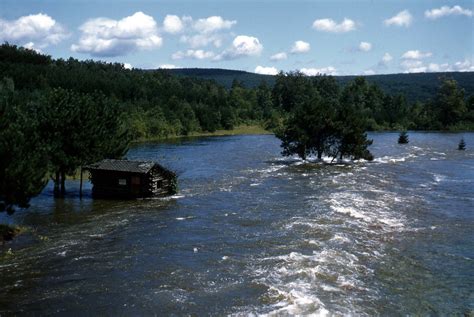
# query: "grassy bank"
[239,130]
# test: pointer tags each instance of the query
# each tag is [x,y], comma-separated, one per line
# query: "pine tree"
[462,145]
[403,138]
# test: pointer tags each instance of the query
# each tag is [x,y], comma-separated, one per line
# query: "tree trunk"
[63,179]
[320,155]
[56,184]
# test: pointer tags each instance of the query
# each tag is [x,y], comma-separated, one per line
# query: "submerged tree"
[462,145]
[324,122]
[403,138]
[79,129]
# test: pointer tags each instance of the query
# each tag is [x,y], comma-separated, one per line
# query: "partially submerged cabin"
[130,179]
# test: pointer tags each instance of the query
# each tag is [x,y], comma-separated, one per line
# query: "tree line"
[57,115]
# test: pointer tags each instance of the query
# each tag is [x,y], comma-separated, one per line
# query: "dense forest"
[57,115]
[415,86]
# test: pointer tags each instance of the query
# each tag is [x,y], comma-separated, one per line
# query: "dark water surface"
[251,232]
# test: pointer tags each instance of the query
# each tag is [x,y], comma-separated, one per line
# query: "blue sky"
[334,37]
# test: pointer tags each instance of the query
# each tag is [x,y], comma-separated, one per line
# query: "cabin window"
[122,181]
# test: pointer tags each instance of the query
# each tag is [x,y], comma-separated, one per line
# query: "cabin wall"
[158,182]
[118,184]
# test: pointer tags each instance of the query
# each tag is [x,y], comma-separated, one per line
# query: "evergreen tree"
[403,138]
[23,160]
[449,103]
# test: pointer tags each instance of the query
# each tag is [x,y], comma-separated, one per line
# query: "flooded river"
[251,232]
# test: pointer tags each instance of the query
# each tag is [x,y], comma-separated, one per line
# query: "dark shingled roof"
[122,166]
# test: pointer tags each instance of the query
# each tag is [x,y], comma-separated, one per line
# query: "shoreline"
[239,130]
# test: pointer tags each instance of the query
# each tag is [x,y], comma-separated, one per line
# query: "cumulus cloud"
[173,24]
[446,11]
[107,37]
[242,46]
[193,54]
[387,58]
[127,66]
[279,56]
[32,31]
[167,66]
[201,32]
[413,66]
[319,71]
[300,47]
[402,18]
[417,66]
[202,40]
[416,54]
[266,70]
[365,46]
[464,66]
[212,24]
[329,25]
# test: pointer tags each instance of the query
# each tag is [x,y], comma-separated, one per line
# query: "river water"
[251,232]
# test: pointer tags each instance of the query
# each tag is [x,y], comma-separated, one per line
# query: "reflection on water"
[252,232]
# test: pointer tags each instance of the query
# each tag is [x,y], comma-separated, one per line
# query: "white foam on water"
[226,189]
[438,178]
[296,281]
[340,238]
[184,218]
[394,159]
[372,212]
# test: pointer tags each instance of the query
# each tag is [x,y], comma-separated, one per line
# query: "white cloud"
[464,66]
[279,56]
[173,24]
[365,46]
[202,40]
[212,24]
[387,58]
[413,66]
[204,32]
[369,72]
[329,25]
[417,66]
[266,70]
[300,47]
[33,31]
[242,45]
[194,54]
[127,66]
[167,66]
[446,11]
[416,54]
[319,71]
[32,46]
[402,18]
[107,37]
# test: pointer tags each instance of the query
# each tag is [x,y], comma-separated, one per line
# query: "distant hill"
[418,86]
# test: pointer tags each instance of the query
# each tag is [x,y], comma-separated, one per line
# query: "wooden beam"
[80,186]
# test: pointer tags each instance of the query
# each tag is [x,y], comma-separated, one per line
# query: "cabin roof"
[122,166]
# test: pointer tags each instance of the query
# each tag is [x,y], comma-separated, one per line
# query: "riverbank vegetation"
[57,114]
